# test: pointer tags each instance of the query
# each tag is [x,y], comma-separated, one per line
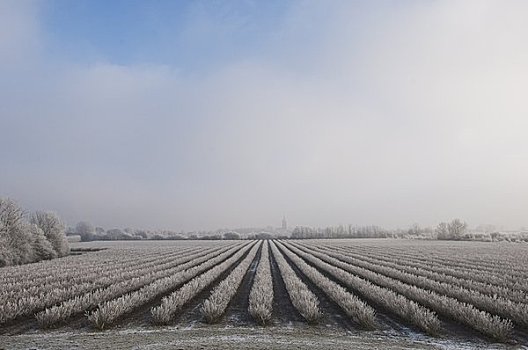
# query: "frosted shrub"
[393,302]
[301,297]
[355,308]
[215,306]
[164,313]
[111,310]
[261,295]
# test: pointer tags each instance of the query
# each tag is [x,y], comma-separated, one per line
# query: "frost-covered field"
[310,293]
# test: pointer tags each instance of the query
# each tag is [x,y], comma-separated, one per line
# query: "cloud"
[18,31]
[380,114]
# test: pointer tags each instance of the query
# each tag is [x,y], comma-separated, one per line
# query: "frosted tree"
[442,231]
[15,240]
[453,230]
[23,242]
[53,229]
[457,228]
[42,248]
[86,231]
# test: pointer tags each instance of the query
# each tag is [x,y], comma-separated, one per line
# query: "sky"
[197,115]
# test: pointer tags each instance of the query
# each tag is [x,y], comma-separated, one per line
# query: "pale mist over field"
[201,115]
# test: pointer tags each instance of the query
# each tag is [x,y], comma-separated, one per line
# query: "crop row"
[215,306]
[490,325]
[300,295]
[514,295]
[353,307]
[261,295]
[108,285]
[89,300]
[498,267]
[97,278]
[517,312]
[498,278]
[171,304]
[108,312]
[50,270]
[99,272]
[389,300]
[491,257]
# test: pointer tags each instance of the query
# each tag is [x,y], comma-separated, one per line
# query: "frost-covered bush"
[215,306]
[172,303]
[301,296]
[23,241]
[465,313]
[355,308]
[109,311]
[261,295]
[53,229]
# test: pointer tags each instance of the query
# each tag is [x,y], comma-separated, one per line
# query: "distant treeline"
[26,238]
[453,230]
[305,232]
[456,230]
[87,232]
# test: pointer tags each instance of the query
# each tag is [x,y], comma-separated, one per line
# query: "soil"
[284,313]
[18,326]
[80,251]
[333,316]
[237,312]
[228,338]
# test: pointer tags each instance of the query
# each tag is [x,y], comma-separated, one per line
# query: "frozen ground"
[229,338]
[237,329]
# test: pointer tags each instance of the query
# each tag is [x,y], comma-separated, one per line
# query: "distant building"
[284,223]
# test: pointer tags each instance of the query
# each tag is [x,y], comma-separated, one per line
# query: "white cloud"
[19,32]
[380,115]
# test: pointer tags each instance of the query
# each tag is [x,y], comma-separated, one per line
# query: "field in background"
[365,291]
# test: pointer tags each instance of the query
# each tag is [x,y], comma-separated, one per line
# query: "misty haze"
[263,174]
